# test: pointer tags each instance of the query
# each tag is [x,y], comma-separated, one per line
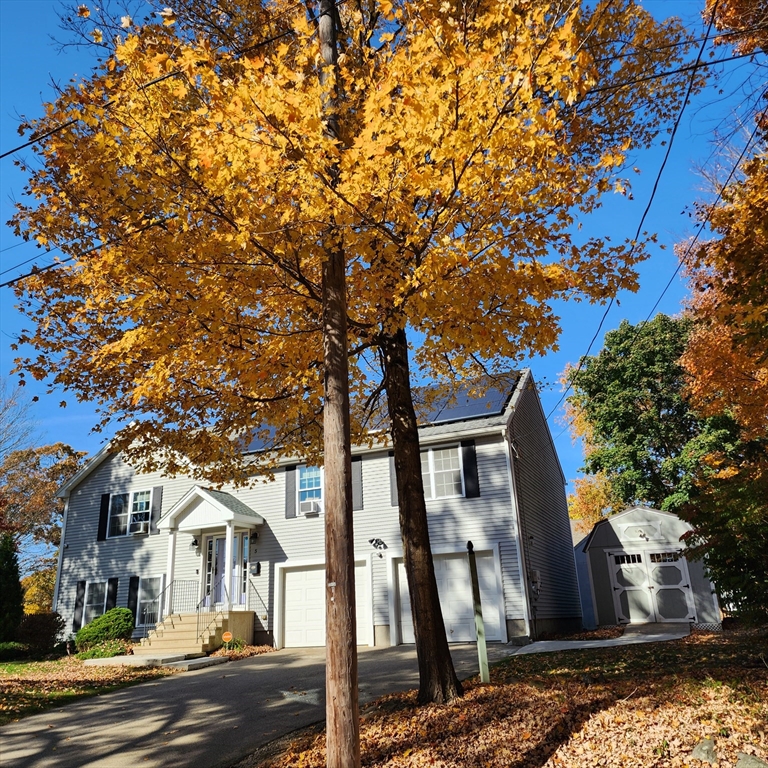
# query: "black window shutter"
[156,511]
[357,482]
[392,479]
[290,491]
[469,462]
[77,620]
[133,596]
[111,594]
[103,517]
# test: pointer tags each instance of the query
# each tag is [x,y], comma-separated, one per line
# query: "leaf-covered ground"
[644,705]
[27,688]
[246,652]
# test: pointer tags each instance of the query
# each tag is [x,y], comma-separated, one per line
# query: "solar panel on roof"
[461,405]
[464,404]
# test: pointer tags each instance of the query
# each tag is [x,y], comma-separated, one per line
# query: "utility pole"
[341,704]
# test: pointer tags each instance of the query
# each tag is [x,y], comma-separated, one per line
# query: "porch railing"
[183,597]
[213,605]
[180,596]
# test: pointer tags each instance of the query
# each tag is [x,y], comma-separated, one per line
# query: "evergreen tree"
[11,593]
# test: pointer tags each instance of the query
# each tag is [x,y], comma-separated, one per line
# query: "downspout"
[521,560]
[61,556]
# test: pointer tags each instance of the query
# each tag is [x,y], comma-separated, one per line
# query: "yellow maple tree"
[191,210]
[197,187]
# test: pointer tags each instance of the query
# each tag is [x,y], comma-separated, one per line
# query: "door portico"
[222,526]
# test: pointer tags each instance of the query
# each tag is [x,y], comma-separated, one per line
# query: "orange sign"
[227,637]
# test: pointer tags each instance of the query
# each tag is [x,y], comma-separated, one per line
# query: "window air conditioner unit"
[309,508]
[141,527]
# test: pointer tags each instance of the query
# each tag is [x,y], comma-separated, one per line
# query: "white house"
[168,546]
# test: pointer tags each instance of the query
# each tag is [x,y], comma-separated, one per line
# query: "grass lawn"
[29,687]
[643,705]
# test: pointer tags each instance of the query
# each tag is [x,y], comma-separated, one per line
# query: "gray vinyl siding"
[86,559]
[546,531]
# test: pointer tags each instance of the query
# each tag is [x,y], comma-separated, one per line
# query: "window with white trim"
[441,472]
[309,490]
[95,600]
[129,513]
[148,612]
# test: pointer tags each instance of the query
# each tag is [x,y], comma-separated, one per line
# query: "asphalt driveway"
[210,718]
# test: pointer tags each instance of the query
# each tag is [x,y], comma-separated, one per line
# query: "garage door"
[455,590]
[304,607]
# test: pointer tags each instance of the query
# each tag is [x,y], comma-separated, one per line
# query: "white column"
[228,550]
[169,570]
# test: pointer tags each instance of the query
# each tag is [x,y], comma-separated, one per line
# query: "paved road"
[210,718]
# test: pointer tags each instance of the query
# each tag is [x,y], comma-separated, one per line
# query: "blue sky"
[30,63]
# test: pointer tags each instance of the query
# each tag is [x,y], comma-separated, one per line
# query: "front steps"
[178,634]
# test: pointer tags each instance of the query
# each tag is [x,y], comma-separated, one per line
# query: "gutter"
[60,560]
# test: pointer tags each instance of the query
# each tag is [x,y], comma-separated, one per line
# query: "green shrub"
[13,651]
[40,631]
[115,624]
[106,650]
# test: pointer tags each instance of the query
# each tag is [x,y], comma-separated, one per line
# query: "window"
[95,600]
[441,472]
[664,557]
[626,559]
[149,601]
[310,491]
[129,513]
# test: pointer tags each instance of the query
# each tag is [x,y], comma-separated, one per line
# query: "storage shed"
[639,573]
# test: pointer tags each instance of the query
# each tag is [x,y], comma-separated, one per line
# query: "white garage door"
[304,606]
[455,589]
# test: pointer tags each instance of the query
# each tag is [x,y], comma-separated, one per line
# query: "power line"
[24,263]
[705,221]
[650,201]
[141,87]
[273,39]
[93,249]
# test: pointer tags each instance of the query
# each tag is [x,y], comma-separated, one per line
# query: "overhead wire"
[647,209]
[241,52]
[705,220]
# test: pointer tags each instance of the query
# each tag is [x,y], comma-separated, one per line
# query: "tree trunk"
[341,705]
[342,718]
[437,678]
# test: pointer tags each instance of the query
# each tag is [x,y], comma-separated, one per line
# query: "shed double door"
[651,587]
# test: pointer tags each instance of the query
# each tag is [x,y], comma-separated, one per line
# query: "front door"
[650,587]
[215,554]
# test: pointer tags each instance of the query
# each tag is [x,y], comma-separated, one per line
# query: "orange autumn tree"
[727,363]
[470,136]
[745,20]
[727,355]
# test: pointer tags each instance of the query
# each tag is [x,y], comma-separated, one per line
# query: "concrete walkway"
[209,718]
[633,633]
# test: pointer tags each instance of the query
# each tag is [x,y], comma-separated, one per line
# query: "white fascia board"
[93,463]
